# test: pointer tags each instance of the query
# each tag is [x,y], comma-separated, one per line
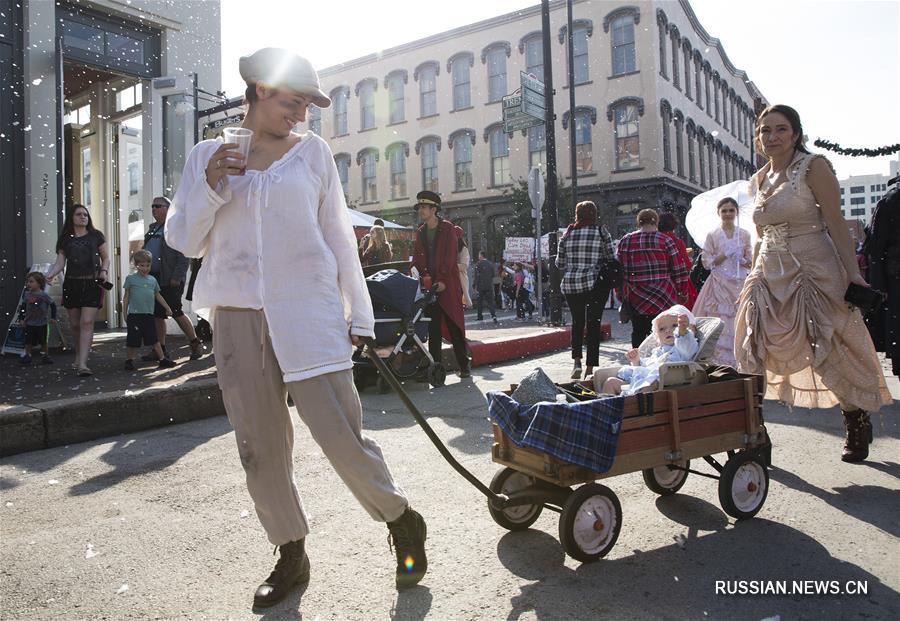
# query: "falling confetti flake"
[122,589]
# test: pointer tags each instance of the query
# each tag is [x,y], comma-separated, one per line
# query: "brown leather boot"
[291,570]
[858,428]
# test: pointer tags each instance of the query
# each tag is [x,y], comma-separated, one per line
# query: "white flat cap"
[279,67]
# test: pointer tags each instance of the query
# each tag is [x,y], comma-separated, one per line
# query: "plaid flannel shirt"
[580,254]
[585,433]
[654,272]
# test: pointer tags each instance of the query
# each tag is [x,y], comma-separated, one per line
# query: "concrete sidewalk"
[47,405]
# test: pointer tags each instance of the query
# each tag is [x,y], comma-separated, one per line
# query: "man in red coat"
[438,243]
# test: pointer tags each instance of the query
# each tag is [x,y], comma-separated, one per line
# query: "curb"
[67,421]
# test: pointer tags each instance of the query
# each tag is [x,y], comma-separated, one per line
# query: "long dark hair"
[793,118]
[68,229]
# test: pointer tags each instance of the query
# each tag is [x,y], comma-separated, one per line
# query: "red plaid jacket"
[654,273]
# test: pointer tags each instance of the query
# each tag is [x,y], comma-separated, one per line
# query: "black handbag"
[866,299]
[699,273]
[610,275]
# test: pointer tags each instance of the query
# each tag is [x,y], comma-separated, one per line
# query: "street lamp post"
[551,222]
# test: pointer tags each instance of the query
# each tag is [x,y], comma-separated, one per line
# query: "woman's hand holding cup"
[226,160]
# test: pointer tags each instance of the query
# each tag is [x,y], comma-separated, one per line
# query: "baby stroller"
[401,331]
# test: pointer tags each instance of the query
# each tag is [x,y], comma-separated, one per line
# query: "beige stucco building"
[661,114]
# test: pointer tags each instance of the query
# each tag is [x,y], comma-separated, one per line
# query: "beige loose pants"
[255,397]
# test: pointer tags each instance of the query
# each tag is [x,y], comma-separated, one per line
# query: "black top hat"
[427,197]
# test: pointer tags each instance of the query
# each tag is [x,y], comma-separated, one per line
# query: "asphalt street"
[159,525]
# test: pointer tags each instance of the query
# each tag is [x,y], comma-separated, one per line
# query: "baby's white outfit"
[639,377]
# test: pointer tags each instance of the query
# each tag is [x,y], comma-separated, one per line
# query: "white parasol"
[703,216]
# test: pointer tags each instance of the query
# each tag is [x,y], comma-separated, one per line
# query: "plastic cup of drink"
[241,137]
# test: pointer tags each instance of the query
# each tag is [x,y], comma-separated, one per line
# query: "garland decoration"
[832,146]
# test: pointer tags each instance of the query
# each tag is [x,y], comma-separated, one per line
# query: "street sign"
[532,96]
[513,117]
[536,191]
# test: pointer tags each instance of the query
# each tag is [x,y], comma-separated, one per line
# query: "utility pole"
[571,56]
[551,218]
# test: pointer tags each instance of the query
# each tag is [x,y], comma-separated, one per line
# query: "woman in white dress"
[728,257]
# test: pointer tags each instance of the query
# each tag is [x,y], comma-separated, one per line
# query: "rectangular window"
[462,92]
[874,199]
[842,191]
[398,173]
[580,54]
[397,105]
[857,189]
[314,119]
[128,98]
[584,154]
[429,166]
[124,48]
[367,107]
[628,150]
[462,163]
[343,167]
[496,63]
[858,211]
[537,147]
[872,188]
[340,114]
[174,142]
[500,174]
[534,58]
[428,92]
[370,188]
[623,56]
[858,200]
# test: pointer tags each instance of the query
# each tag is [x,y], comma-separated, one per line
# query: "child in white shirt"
[674,332]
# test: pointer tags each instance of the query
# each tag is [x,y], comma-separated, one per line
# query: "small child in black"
[34,316]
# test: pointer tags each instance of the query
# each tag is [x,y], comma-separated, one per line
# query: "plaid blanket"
[584,433]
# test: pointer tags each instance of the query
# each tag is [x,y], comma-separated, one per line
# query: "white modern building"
[860,194]
[661,114]
[97,107]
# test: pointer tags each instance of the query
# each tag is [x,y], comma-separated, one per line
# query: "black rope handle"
[394,383]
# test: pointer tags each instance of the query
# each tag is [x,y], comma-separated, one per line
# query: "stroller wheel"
[436,374]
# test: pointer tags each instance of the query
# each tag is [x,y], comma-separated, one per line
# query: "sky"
[836,62]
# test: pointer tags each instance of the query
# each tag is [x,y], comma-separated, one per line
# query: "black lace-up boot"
[858,428]
[408,534]
[292,569]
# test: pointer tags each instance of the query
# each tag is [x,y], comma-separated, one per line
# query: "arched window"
[532,46]
[395,82]
[675,36]
[426,75]
[365,90]
[428,148]
[686,47]
[461,142]
[342,161]
[711,159]
[314,119]
[537,147]
[584,148]
[580,34]
[701,156]
[622,40]
[731,108]
[366,159]
[720,173]
[691,130]
[626,132]
[665,112]
[663,23]
[679,143]
[698,80]
[396,155]
[494,56]
[715,81]
[706,75]
[339,104]
[459,66]
[499,141]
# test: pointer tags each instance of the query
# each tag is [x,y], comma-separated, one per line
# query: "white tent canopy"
[364,220]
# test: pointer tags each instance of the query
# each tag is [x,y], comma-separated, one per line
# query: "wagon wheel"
[590,522]
[436,374]
[520,517]
[665,480]
[743,485]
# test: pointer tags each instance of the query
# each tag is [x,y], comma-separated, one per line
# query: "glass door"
[130,198]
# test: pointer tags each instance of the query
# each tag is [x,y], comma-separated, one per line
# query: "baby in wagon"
[675,334]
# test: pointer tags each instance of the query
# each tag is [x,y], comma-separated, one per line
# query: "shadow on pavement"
[678,581]
[412,604]
[867,503]
[829,421]
[287,609]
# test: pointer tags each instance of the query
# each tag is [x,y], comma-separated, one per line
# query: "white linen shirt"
[279,240]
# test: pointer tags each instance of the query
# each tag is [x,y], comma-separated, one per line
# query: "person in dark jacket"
[484,286]
[169,267]
[438,242]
